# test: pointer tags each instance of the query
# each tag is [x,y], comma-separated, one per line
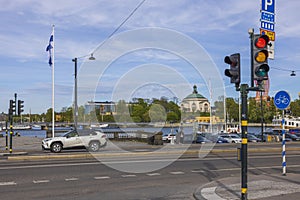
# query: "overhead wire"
[123,22]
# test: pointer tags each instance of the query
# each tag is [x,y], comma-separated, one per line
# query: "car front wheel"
[56,147]
[94,146]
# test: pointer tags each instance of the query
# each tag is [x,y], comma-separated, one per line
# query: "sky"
[162,49]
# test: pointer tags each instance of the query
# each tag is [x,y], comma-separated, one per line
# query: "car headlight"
[47,140]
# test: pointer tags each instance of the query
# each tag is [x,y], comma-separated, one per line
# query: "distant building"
[195,102]
[105,108]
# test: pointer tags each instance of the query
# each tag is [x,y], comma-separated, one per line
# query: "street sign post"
[267,23]
[282,100]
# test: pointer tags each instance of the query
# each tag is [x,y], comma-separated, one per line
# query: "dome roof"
[195,94]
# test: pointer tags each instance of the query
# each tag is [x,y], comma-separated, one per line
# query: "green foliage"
[162,110]
[295,108]
[232,110]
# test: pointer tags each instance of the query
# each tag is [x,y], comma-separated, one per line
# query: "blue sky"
[219,27]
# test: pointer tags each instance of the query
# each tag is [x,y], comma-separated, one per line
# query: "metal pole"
[75,94]
[11,134]
[15,104]
[283,146]
[251,32]
[6,135]
[244,148]
[262,117]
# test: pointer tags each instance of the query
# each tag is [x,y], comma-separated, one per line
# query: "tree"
[295,108]
[232,110]
[122,111]
[48,116]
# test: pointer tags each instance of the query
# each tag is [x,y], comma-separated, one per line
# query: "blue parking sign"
[268,6]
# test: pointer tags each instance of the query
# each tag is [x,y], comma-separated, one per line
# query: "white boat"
[99,125]
[21,127]
[289,123]
[36,127]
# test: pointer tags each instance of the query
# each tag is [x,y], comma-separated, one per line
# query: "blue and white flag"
[50,49]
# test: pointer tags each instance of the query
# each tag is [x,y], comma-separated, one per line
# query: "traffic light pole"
[6,135]
[251,33]
[244,146]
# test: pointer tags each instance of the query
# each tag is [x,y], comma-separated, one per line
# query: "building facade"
[195,102]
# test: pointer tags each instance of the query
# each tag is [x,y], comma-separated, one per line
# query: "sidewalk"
[260,187]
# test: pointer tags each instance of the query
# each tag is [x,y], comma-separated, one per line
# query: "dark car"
[221,140]
[253,138]
[201,139]
[292,137]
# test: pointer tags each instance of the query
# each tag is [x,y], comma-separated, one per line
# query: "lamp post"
[75,88]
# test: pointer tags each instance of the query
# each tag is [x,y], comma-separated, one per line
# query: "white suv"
[89,139]
[232,138]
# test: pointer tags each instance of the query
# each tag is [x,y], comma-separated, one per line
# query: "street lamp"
[75,88]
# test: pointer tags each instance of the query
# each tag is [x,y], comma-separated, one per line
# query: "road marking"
[177,173]
[198,171]
[7,183]
[41,181]
[154,174]
[101,177]
[71,179]
[129,176]
[209,193]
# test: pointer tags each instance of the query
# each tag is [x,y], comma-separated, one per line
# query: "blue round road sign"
[282,100]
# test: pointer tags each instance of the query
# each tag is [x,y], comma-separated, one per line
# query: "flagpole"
[53,100]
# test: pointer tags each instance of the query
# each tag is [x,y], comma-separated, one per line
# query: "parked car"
[201,139]
[232,138]
[88,139]
[167,137]
[253,138]
[292,137]
[221,140]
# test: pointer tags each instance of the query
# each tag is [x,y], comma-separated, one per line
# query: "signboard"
[271,49]
[270,34]
[271,44]
[282,100]
[268,5]
[269,17]
[267,24]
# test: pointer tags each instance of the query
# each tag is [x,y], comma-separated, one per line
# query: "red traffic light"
[262,41]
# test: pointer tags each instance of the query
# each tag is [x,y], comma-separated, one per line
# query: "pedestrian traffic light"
[260,67]
[12,107]
[234,72]
[20,107]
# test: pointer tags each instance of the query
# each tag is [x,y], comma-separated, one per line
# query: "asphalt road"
[92,179]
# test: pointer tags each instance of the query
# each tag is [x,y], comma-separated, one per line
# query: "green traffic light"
[262,70]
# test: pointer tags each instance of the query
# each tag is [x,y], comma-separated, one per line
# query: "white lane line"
[101,177]
[129,176]
[41,181]
[8,183]
[197,171]
[177,173]
[154,174]
[71,179]
[209,193]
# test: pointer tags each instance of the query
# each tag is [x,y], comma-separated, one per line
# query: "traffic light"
[12,107]
[20,107]
[235,70]
[260,67]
